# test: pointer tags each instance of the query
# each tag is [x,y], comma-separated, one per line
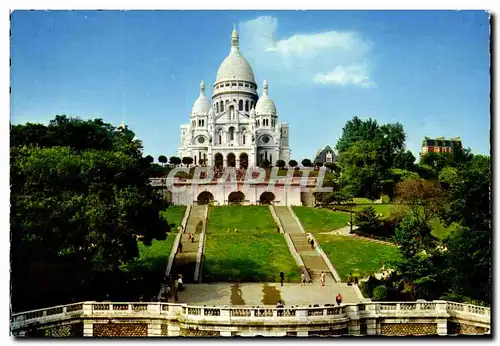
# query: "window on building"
[220,139]
[221,106]
[246,85]
[246,106]
[240,84]
[231,134]
[217,107]
[243,139]
[240,105]
[233,84]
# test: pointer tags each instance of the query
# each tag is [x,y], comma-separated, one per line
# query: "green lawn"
[357,256]
[316,220]
[253,253]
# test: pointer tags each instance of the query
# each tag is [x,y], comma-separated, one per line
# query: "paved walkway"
[185,262]
[312,259]
[253,294]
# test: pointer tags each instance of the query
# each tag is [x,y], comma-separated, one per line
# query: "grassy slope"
[255,252]
[321,220]
[360,257]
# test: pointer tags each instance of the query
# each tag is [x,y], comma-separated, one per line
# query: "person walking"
[303,279]
[282,278]
[339,299]
[192,238]
[323,278]
[189,236]
[312,244]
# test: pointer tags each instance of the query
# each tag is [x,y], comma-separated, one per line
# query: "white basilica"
[236,128]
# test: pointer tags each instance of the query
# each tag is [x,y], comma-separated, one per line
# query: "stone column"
[442,323]
[353,323]
[174,329]
[88,328]
[154,328]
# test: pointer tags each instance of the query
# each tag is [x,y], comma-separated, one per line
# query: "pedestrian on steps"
[323,278]
[303,279]
[339,299]
[282,278]
[312,244]
[189,236]
[192,238]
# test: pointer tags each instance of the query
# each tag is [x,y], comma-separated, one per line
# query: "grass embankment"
[356,256]
[253,253]
[317,220]
[147,270]
[347,254]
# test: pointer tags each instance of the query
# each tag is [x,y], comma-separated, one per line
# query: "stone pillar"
[88,328]
[442,324]
[353,323]
[371,326]
[173,329]
[154,328]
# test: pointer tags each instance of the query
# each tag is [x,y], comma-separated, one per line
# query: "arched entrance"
[244,160]
[218,160]
[267,197]
[231,160]
[205,198]
[236,197]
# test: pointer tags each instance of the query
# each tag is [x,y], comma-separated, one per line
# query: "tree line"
[80,199]
[453,187]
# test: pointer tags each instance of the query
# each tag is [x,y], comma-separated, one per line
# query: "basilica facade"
[236,127]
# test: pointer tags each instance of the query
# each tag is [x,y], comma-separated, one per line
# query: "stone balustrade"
[386,318]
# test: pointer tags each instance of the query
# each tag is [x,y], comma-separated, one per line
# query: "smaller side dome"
[202,104]
[265,106]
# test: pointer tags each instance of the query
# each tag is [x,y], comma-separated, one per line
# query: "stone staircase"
[185,261]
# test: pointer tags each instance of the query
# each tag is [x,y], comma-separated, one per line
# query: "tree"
[149,159]
[293,163]
[367,220]
[174,160]
[76,213]
[360,169]
[162,159]
[187,160]
[306,163]
[331,166]
[318,164]
[265,163]
[280,163]
[356,130]
[423,198]
[469,254]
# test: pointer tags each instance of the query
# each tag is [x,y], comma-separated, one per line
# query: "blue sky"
[428,70]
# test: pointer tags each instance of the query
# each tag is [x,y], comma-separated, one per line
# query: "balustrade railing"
[167,310]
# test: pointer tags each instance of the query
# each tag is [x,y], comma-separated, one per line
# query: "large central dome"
[235,66]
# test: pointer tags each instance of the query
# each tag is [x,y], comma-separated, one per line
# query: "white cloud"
[349,75]
[330,57]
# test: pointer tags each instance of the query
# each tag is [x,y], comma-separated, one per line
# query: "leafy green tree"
[280,163]
[361,170]
[469,254]
[367,220]
[149,159]
[318,164]
[306,163]
[174,160]
[76,212]
[162,159]
[187,160]
[332,166]
[356,130]
[293,163]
